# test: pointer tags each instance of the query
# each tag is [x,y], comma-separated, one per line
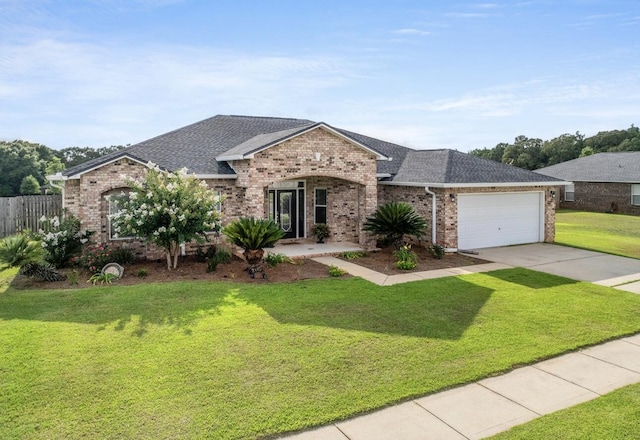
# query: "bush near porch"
[228,361]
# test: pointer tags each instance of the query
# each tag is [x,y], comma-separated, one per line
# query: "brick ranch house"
[300,172]
[602,182]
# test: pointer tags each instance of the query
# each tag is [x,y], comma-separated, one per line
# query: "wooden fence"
[24,212]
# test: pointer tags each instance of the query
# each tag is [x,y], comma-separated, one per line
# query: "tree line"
[24,165]
[534,153]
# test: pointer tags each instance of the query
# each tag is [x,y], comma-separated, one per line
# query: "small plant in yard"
[202,253]
[406,258]
[61,239]
[353,255]
[395,220]
[73,277]
[142,273]
[41,272]
[19,249]
[437,251]
[102,278]
[335,271]
[273,260]
[220,255]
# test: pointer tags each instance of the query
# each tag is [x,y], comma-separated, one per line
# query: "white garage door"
[499,219]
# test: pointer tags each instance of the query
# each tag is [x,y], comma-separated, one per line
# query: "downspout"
[433,214]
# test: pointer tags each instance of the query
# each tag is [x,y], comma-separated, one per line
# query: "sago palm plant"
[395,220]
[19,249]
[253,235]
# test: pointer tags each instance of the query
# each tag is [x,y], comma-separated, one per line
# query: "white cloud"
[411,31]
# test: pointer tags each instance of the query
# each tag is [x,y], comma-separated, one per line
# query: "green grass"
[241,361]
[611,233]
[613,416]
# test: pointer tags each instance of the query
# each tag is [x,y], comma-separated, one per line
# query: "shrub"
[142,273]
[335,271]
[437,250]
[320,231]
[203,253]
[395,220]
[96,256]
[353,255]
[273,260]
[406,258]
[61,239]
[16,250]
[102,278]
[41,272]
[223,254]
[253,235]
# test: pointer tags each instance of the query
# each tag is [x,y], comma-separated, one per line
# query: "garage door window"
[569,193]
[635,194]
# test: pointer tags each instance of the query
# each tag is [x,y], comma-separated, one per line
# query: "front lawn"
[611,233]
[238,361]
[613,416]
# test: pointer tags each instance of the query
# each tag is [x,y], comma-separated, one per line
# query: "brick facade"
[320,159]
[600,197]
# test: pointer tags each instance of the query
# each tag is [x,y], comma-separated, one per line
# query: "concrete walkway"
[388,280]
[493,405]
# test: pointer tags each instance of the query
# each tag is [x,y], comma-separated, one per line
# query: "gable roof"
[261,142]
[622,167]
[205,147]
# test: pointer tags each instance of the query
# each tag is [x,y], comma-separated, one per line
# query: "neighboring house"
[603,182]
[300,172]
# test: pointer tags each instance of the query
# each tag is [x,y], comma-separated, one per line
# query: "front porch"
[310,249]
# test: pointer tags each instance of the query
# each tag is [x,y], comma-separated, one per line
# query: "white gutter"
[433,214]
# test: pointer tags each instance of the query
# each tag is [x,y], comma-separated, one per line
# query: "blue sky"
[425,74]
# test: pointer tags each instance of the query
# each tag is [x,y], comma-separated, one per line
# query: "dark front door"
[286,211]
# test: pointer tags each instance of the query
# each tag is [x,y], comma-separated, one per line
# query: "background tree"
[19,159]
[29,185]
[562,148]
[54,166]
[167,209]
[72,156]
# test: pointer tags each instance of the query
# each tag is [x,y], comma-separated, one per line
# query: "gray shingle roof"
[450,166]
[196,147]
[600,167]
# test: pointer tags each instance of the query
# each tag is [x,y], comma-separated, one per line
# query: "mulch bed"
[190,269]
[383,261]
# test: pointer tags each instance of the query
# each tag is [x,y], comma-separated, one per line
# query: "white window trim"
[572,192]
[316,205]
[635,192]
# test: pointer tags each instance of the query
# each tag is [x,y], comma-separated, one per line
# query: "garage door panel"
[498,219]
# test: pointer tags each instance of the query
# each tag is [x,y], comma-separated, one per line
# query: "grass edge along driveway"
[230,361]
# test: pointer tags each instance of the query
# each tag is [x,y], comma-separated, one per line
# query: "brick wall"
[600,197]
[316,154]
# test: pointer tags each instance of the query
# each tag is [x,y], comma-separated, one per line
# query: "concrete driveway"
[577,264]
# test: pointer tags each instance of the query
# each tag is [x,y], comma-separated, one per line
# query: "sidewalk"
[493,405]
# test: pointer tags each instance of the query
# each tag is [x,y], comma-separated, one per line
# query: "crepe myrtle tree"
[167,209]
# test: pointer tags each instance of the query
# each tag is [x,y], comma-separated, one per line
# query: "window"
[569,193]
[114,209]
[635,194]
[321,205]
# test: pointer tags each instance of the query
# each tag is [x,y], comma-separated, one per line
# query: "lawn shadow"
[531,278]
[441,309]
[131,308]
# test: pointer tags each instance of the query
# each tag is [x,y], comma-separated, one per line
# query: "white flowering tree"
[167,209]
